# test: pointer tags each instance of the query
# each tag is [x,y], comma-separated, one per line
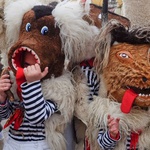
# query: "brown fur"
[122,62]
[47,47]
[121,73]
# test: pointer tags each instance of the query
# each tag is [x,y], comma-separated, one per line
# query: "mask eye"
[123,55]
[44,30]
[28,27]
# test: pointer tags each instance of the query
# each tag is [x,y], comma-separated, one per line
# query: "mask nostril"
[144,79]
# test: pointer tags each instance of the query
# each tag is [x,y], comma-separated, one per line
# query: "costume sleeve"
[105,141]
[5,110]
[37,109]
[92,81]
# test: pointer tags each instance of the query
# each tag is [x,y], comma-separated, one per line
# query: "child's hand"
[5,84]
[113,126]
[33,73]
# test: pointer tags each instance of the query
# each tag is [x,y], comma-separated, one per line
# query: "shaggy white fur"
[81,107]
[97,112]
[2,27]
[135,120]
[77,38]
[62,91]
[13,20]
[4,6]
[76,34]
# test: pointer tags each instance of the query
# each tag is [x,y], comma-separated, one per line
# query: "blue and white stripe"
[37,110]
[92,81]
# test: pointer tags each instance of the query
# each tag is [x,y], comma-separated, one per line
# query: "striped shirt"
[128,142]
[37,110]
[92,81]
[107,143]
[104,139]
[93,84]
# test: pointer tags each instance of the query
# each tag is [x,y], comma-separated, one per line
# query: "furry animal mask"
[53,37]
[34,32]
[124,67]
[38,36]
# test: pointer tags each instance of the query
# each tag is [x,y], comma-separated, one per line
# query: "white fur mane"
[76,34]
[13,17]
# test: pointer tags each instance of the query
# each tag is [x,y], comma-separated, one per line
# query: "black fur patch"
[140,35]
[53,4]
[41,11]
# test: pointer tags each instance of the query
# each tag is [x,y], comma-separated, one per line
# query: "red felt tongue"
[20,78]
[127,101]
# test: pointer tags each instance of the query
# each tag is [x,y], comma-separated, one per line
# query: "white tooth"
[13,55]
[28,50]
[32,52]
[15,66]
[17,51]
[38,61]
[143,95]
[13,63]
[36,57]
[12,60]
[146,95]
[140,94]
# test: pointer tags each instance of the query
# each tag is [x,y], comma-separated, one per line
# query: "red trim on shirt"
[87,62]
[115,138]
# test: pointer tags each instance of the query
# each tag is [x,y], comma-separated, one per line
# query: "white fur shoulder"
[61,91]
[133,121]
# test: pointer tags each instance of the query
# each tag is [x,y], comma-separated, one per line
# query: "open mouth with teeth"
[137,96]
[18,57]
[144,92]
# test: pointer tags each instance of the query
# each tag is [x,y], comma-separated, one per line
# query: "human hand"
[33,73]
[113,126]
[5,84]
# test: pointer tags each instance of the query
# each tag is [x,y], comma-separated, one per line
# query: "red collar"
[88,62]
[17,116]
